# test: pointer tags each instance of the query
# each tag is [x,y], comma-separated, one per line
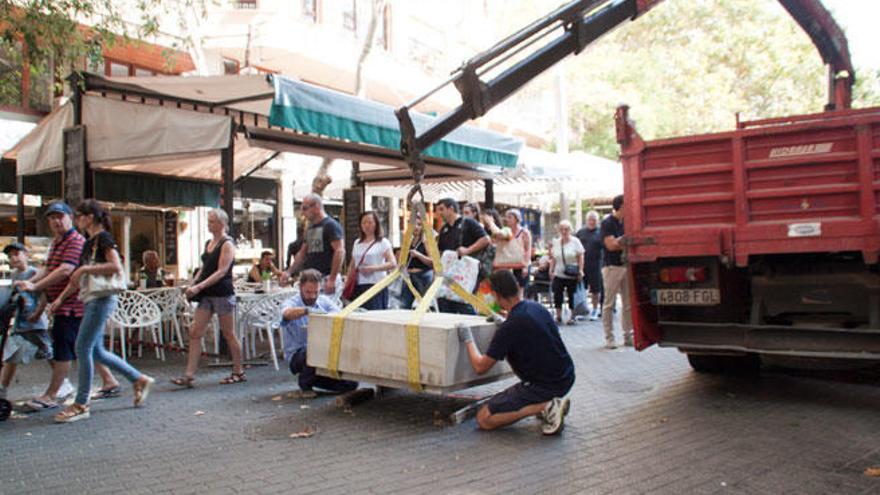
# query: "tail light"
[682,274]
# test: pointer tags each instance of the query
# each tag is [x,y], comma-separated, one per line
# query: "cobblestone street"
[640,423]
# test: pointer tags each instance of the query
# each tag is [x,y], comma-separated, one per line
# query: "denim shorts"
[64,331]
[24,347]
[220,305]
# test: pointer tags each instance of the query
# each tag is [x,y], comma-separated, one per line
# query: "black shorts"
[64,332]
[524,394]
[593,280]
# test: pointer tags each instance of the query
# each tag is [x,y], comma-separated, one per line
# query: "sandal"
[106,393]
[37,405]
[234,378]
[71,413]
[184,381]
[142,390]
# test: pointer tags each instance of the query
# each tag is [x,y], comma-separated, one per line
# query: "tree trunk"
[322,177]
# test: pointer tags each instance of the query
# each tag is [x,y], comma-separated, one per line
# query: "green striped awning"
[313,110]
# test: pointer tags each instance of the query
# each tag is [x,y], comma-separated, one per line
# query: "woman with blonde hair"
[566,268]
[213,290]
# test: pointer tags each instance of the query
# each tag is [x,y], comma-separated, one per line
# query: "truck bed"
[801,184]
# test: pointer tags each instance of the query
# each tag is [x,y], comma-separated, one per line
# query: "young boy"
[29,339]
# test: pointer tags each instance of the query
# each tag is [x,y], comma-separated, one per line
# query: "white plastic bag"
[464,270]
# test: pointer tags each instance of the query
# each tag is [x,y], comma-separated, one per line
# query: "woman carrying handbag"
[371,259]
[566,269]
[99,279]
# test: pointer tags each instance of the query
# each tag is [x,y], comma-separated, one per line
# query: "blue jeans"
[90,347]
[421,281]
[379,301]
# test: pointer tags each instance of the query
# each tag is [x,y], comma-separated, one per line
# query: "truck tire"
[706,363]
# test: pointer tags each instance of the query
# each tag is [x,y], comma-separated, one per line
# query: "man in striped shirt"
[64,257]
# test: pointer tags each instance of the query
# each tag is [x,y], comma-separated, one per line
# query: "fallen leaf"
[308,432]
[873,472]
[276,398]
[199,413]
[664,419]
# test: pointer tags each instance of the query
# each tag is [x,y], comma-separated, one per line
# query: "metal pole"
[489,198]
[227,164]
[19,207]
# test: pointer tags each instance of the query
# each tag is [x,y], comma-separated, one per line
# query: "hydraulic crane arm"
[583,22]
[830,40]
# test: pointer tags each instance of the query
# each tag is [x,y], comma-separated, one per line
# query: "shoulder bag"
[569,270]
[93,286]
[351,282]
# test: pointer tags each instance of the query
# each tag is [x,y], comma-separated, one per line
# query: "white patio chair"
[136,312]
[168,299]
[262,321]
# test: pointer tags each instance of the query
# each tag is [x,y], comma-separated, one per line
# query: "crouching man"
[529,340]
[295,321]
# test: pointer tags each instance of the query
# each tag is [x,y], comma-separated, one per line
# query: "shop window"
[40,88]
[138,72]
[350,16]
[11,75]
[118,70]
[383,30]
[310,10]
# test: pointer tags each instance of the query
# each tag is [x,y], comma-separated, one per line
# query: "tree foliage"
[689,66]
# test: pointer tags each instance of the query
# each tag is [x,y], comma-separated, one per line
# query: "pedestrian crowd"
[78,288]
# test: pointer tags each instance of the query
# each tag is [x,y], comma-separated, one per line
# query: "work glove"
[464,334]
[495,318]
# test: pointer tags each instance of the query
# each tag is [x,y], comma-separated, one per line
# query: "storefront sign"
[170,229]
[74,164]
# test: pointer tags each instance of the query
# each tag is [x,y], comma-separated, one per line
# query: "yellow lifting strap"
[412,327]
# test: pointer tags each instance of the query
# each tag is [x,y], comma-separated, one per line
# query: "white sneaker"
[594,314]
[65,391]
[554,416]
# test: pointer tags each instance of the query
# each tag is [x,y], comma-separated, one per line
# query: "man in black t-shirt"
[529,340]
[323,248]
[463,235]
[591,238]
[615,279]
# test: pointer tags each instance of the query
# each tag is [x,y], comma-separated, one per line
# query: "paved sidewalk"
[640,423]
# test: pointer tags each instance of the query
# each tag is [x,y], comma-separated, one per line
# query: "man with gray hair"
[323,249]
[294,325]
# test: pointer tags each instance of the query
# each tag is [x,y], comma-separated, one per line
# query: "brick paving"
[640,423]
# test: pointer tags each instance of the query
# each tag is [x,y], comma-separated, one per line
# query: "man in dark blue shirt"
[529,340]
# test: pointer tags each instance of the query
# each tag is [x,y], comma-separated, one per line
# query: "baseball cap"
[58,207]
[14,246]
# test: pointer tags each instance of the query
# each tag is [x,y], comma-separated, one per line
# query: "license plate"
[686,297]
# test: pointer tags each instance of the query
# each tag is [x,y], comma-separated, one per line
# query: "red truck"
[762,240]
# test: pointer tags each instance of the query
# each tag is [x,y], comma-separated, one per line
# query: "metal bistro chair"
[262,321]
[168,300]
[136,312]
